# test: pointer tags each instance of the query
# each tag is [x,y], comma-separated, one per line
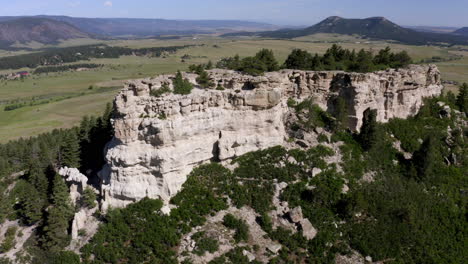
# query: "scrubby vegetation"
[204,244]
[239,226]
[161,91]
[411,211]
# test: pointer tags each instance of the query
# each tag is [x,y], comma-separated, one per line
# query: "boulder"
[296,215]
[308,231]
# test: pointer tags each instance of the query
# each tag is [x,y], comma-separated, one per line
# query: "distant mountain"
[461,31]
[432,29]
[28,29]
[115,27]
[374,28]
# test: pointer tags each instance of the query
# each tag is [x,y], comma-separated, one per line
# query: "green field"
[31,120]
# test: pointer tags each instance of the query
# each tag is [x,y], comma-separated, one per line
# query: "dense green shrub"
[161,91]
[240,227]
[181,86]
[204,244]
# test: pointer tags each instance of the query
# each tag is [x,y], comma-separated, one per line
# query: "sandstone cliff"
[159,140]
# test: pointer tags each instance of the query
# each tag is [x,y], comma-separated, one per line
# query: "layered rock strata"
[159,140]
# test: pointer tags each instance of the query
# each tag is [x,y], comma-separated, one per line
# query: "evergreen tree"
[181,86]
[70,150]
[317,63]
[368,134]
[462,98]
[30,203]
[89,198]
[38,178]
[209,65]
[56,235]
[384,57]
[267,57]
[364,61]
[253,66]
[204,80]
[299,59]
[400,59]
[60,194]
[329,62]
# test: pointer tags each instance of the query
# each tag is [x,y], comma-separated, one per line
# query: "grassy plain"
[32,120]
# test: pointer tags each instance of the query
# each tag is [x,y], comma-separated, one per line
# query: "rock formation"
[159,140]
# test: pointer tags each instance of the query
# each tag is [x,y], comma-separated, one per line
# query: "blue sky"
[285,12]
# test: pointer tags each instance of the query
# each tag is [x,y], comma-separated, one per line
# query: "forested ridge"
[59,56]
[408,210]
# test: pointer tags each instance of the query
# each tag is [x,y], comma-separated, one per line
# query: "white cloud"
[108,3]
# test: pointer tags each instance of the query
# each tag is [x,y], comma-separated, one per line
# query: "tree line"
[335,58]
[63,68]
[81,53]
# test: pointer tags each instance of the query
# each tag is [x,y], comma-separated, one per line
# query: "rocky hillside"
[286,167]
[159,140]
[46,31]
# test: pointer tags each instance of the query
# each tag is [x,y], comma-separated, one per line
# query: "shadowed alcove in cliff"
[248,86]
[340,105]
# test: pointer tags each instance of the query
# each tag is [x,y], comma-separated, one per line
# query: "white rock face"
[159,140]
[76,180]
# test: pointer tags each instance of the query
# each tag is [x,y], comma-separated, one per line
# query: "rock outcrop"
[159,140]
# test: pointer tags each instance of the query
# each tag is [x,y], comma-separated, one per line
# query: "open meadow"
[74,94]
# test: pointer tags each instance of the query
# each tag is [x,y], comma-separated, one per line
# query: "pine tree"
[364,61]
[181,86]
[38,178]
[299,59]
[30,203]
[209,66]
[384,57]
[204,80]
[56,235]
[462,98]
[60,195]
[267,57]
[317,63]
[70,150]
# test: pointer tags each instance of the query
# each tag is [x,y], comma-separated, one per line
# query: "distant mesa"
[373,28]
[462,31]
[42,30]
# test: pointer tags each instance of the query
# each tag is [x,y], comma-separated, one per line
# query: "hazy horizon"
[278,12]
